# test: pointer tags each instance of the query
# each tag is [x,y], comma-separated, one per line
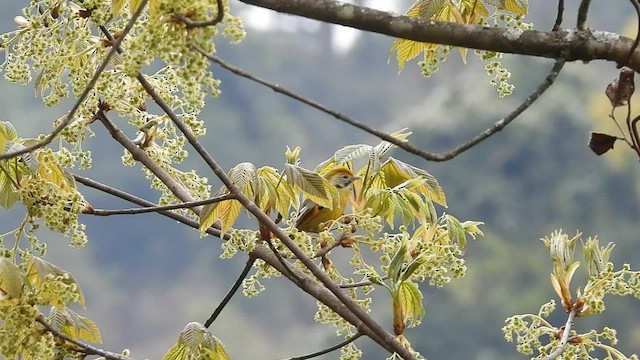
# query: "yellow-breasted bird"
[313,215]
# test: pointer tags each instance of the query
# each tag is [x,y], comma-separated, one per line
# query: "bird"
[312,216]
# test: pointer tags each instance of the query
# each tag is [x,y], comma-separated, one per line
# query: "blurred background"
[145,277]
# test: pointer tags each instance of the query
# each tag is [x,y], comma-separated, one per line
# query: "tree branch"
[380,335]
[582,14]
[571,45]
[232,291]
[337,346]
[303,281]
[100,212]
[196,24]
[429,156]
[565,337]
[558,22]
[67,120]
[85,348]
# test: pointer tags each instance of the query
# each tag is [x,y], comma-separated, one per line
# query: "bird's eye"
[345,177]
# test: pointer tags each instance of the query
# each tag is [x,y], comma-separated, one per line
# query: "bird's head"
[341,177]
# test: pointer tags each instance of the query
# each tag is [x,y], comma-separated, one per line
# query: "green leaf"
[455,231]
[395,266]
[384,147]
[315,187]
[397,172]
[411,301]
[429,8]
[8,194]
[74,325]
[11,282]
[352,152]
[37,271]
[196,341]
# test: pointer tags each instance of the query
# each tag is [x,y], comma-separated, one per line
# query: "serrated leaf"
[193,335]
[10,278]
[74,325]
[280,195]
[397,172]
[37,271]
[383,148]
[455,231]
[520,7]
[4,138]
[179,351]
[411,302]
[397,261]
[352,152]
[10,130]
[315,187]
[428,8]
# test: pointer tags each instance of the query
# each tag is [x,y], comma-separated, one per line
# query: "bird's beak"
[356,177]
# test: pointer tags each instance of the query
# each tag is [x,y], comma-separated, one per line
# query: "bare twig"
[361,283]
[582,14]
[67,120]
[337,346]
[196,24]
[558,23]
[142,202]
[565,336]
[100,212]
[83,347]
[444,156]
[232,291]
[636,6]
[282,261]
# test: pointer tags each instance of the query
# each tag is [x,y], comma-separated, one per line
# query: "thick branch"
[571,45]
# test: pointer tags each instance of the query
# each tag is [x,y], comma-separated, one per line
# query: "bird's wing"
[307,210]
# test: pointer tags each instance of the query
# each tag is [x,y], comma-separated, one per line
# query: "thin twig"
[582,14]
[444,156]
[282,261]
[142,202]
[361,283]
[636,6]
[337,346]
[100,212]
[232,291]
[67,120]
[196,24]
[558,23]
[85,348]
[565,337]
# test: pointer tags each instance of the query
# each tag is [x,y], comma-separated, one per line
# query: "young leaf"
[456,231]
[351,152]
[10,279]
[315,187]
[37,271]
[74,325]
[411,302]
